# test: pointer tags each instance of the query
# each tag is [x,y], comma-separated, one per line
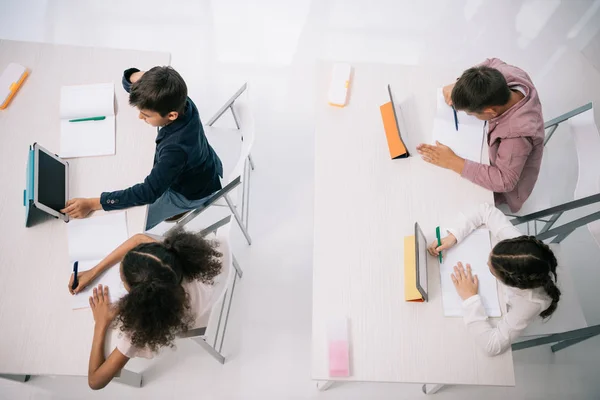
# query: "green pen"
[439,238]
[88,119]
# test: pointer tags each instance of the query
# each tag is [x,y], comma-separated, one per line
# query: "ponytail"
[525,262]
[195,257]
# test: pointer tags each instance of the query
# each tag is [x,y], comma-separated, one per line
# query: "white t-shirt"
[201,301]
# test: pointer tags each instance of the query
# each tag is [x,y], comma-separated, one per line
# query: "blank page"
[467,141]
[94,238]
[474,250]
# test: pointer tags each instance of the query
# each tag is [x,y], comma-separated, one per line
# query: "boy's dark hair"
[525,262]
[156,308]
[478,88]
[161,90]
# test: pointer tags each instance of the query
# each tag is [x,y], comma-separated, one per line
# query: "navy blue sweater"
[184,162]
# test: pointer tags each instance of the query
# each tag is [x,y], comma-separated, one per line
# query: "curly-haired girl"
[169,288]
[524,265]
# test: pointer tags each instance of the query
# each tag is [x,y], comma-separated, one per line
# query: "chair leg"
[209,349]
[567,343]
[227,315]
[236,265]
[238,219]
[18,378]
[130,378]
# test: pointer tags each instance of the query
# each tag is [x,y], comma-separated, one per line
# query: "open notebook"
[87,138]
[467,141]
[90,240]
[474,250]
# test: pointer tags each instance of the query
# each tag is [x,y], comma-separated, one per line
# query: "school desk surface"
[41,333]
[365,204]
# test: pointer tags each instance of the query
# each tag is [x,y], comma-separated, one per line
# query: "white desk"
[365,203]
[39,332]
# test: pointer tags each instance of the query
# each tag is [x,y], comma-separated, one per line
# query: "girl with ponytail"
[526,269]
[169,288]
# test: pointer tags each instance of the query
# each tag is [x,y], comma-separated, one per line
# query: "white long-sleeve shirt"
[523,305]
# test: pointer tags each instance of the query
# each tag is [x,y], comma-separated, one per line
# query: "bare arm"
[116,256]
[101,370]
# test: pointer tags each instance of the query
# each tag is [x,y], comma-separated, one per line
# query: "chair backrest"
[587,142]
[244,112]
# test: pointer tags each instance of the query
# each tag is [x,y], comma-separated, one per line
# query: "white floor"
[273,44]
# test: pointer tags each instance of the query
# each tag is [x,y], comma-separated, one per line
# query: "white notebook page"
[474,250]
[467,141]
[90,240]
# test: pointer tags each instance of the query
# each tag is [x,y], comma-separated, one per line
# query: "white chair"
[568,325]
[211,327]
[234,147]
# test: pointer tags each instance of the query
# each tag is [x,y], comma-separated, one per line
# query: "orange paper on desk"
[411,293]
[390,125]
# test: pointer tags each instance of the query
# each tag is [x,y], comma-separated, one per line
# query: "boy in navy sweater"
[186,169]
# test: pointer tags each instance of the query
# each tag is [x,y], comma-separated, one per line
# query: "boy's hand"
[136,76]
[442,156]
[80,208]
[103,312]
[447,243]
[447,91]
[466,283]
[84,278]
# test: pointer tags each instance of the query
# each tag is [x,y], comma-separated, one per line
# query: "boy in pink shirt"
[505,98]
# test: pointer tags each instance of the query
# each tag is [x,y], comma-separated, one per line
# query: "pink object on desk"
[339,359]
[339,362]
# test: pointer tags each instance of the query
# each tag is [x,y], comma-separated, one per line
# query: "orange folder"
[392,132]
[411,293]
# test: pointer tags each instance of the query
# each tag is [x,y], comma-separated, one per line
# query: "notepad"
[89,138]
[474,250]
[467,141]
[90,240]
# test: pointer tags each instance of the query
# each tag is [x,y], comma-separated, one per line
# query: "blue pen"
[75,281]
[455,118]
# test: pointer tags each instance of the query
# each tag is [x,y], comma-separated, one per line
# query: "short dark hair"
[525,262]
[161,90]
[156,309]
[478,88]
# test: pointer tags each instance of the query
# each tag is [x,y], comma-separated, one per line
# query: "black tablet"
[51,182]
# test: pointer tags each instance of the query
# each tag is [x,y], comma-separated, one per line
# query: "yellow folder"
[411,293]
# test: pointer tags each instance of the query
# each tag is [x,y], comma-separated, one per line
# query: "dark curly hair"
[156,308]
[525,262]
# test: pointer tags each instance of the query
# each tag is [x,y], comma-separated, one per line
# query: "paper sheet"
[90,240]
[467,141]
[110,278]
[474,250]
[88,138]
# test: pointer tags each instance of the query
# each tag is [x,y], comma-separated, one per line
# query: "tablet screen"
[51,182]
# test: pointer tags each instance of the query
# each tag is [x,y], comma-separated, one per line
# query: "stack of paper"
[474,250]
[87,138]
[467,141]
[90,240]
